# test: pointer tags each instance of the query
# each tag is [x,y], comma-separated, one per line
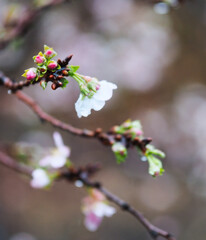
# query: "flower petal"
[82,106]
[101,209]
[92,222]
[64,151]
[58,139]
[40,179]
[58,161]
[106,90]
[44,162]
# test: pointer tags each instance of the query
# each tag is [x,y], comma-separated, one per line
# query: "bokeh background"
[158,62]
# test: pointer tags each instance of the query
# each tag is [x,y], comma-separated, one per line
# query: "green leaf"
[43,84]
[120,152]
[73,69]
[120,158]
[152,150]
[155,166]
[64,82]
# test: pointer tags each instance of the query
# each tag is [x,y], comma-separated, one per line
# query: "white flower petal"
[44,162]
[101,209]
[97,104]
[83,107]
[109,211]
[58,139]
[106,90]
[40,179]
[57,161]
[64,151]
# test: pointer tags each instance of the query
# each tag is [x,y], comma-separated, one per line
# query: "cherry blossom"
[85,104]
[40,179]
[95,207]
[58,156]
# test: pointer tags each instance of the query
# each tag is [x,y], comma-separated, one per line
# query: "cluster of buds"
[44,63]
[47,70]
[132,130]
[129,128]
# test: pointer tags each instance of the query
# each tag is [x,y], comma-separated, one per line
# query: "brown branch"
[12,164]
[25,22]
[83,175]
[108,138]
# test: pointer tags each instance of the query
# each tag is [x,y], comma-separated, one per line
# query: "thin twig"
[25,22]
[83,174]
[108,138]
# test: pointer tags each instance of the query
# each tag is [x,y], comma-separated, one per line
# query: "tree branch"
[107,138]
[25,22]
[83,175]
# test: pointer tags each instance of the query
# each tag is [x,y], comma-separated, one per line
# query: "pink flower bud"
[156,174]
[52,65]
[97,86]
[49,53]
[87,78]
[138,132]
[39,59]
[31,74]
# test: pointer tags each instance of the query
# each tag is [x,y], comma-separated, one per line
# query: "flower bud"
[43,84]
[31,74]
[39,59]
[54,86]
[49,53]
[52,65]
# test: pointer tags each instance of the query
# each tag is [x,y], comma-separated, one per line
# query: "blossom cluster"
[93,93]
[55,158]
[94,206]
[44,63]
[133,129]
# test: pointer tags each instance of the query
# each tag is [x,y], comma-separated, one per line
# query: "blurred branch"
[107,138]
[83,175]
[25,22]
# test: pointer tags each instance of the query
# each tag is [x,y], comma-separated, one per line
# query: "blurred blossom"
[22,236]
[95,207]
[58,156]
[161,8]
[40,179]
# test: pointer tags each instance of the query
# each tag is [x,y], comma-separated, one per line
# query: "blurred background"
[156,56]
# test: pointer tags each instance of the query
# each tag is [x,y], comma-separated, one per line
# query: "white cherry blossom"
[40,179]
[58,156]
[84,104]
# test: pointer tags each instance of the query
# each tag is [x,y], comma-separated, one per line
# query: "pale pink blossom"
[58,156]
[95,207]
